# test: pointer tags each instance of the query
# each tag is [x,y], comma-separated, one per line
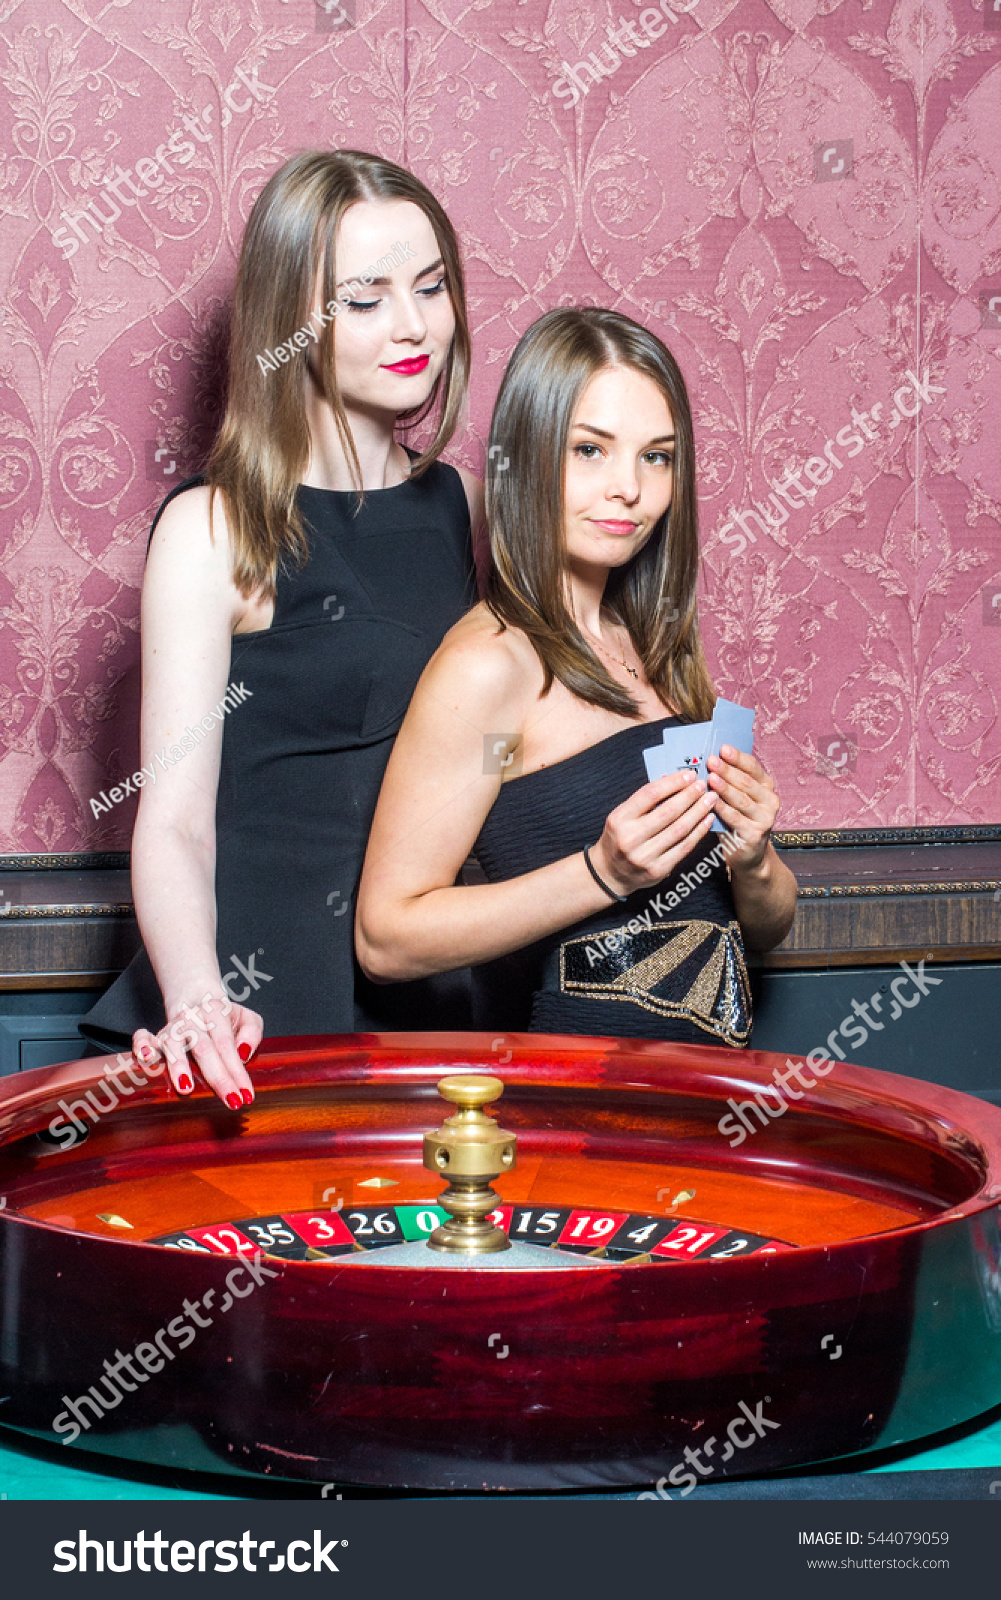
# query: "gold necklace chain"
[620,659]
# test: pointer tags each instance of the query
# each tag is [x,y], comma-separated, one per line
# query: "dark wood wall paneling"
[66,922]
[867,896]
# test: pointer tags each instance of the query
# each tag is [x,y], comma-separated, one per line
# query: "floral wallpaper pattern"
[803,197]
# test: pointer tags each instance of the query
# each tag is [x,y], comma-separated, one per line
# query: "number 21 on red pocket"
[688,1240]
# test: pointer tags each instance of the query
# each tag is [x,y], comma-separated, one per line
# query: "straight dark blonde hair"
[654,594]
[262,449]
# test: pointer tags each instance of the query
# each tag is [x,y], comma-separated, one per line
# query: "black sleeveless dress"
[303,755]
[666,964]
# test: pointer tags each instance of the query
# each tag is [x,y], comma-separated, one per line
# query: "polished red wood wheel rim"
[868,1314]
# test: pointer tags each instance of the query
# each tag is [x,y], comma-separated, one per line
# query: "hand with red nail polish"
[144,1048]
[207,1033]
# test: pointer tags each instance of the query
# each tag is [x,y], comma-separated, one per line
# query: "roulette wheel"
[589,1285]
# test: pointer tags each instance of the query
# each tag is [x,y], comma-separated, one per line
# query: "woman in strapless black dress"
[320,606]
[664,965]
[609,906]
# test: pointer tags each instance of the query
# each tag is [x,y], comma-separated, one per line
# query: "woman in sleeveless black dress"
[610,907]
[321,669]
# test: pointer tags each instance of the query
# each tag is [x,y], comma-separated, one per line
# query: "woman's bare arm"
[764,898]
[764,888]
[189,608]
[412,919]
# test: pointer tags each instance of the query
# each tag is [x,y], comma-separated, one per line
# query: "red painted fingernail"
[234,1102]
[184,1083]
[248,1098]
[245,1052]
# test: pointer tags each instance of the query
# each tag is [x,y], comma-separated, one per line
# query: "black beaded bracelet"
[600,881]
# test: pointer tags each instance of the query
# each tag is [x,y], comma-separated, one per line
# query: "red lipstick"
[411,365]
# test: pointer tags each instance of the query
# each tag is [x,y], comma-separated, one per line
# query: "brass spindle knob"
[470,1150]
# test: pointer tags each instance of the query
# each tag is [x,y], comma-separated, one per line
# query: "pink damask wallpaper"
[803,197]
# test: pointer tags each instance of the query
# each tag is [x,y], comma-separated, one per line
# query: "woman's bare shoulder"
[189,565]
[478,639]
[193,520]
[483,665]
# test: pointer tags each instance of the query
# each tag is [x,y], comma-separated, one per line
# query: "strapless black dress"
[303,758]
[668,963]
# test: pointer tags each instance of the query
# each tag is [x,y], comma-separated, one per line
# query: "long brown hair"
[262,448]
[653,595]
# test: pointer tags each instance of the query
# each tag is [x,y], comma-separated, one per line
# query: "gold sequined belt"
[688,969]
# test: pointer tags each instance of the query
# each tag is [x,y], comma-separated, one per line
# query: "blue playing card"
[682,747]
[656,765]
[731,724]
[686,747]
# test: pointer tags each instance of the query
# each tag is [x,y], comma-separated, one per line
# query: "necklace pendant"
[630,669]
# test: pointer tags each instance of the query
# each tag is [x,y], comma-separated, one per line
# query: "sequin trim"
[693,969]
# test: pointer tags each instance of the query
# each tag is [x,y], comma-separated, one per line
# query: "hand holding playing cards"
[647,835]
[746,803]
